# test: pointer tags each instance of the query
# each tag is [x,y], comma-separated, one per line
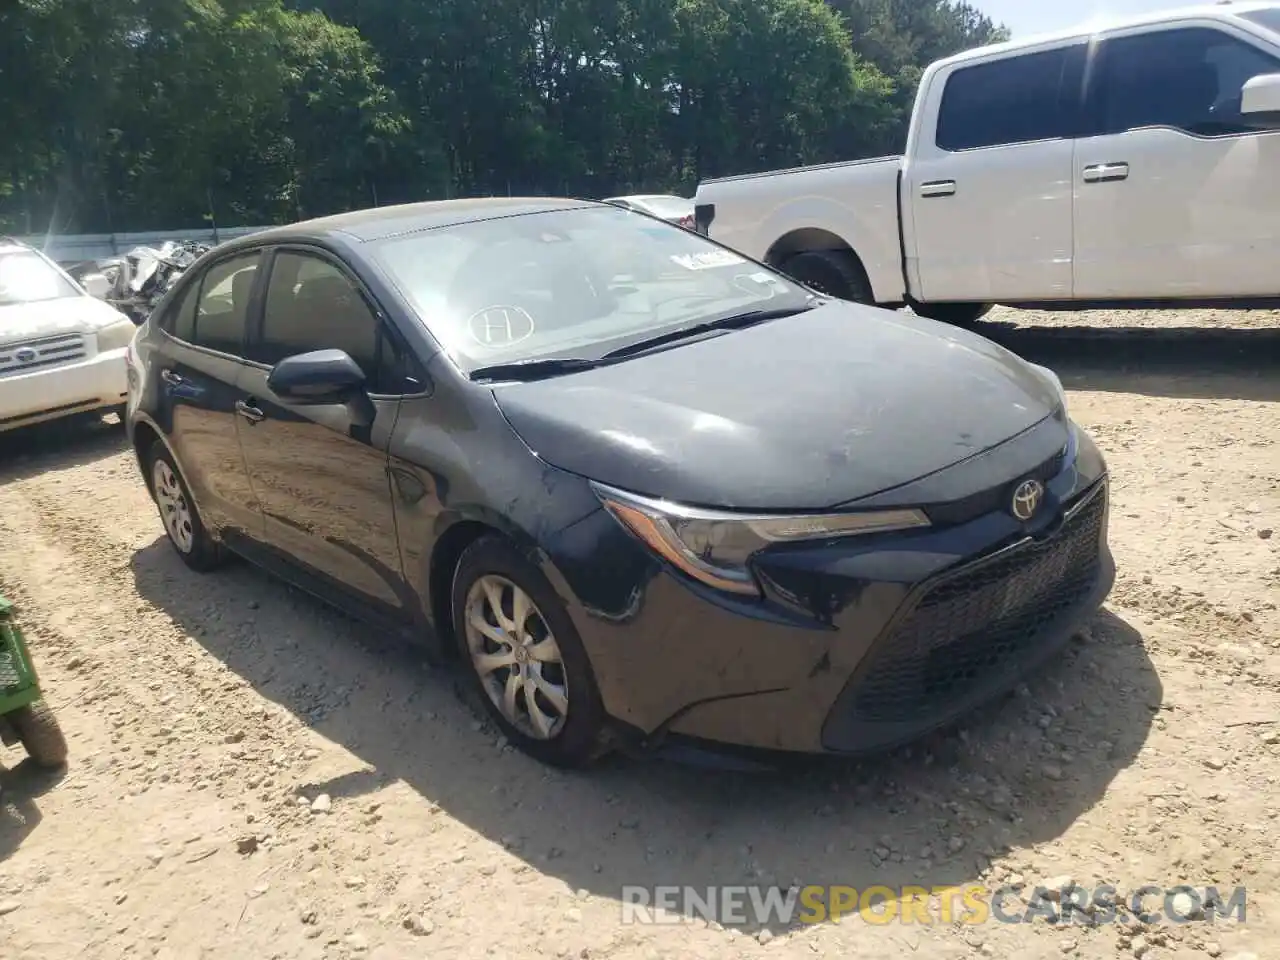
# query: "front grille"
[29,355]
[976,625]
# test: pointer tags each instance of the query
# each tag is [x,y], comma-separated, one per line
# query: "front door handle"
[1104,172]
[171,378]
[938,188]
[250,412]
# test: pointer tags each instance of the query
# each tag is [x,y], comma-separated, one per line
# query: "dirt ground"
[206,715]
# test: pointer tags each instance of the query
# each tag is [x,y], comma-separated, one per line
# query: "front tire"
[187,534]
[835,273]
[40,734]
[956,314]
[525,657]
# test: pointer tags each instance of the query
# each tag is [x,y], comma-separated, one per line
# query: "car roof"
[378,223]
[1106,22]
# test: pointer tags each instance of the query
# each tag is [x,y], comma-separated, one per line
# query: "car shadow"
[1019,773]
[1165,361]
[60,444]
[20,786]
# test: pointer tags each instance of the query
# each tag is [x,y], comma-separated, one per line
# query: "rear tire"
[956,314]
[179,514]
[835,273]
[551,665]
[40,734]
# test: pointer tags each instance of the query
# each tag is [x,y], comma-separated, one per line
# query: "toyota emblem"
[24,355]
[1026,499]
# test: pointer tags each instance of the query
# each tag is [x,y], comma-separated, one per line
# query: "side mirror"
[322,376]
[1260,101]
[96,285]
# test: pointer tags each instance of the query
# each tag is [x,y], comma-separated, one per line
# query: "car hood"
[49,318]
[802,413]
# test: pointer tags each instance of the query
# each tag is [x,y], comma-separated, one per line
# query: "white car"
[1131,162]
[62,351]
[677,210]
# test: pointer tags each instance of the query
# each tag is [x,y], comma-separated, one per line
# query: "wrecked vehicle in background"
[135,282]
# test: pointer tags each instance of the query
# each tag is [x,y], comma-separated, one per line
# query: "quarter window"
[1190,79]
[223,308]
[1020,99]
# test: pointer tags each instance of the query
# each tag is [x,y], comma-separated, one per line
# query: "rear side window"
[1190,79]
[223,307]
[182,317]
[1016,100]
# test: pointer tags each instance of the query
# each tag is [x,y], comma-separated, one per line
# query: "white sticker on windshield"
[708,261]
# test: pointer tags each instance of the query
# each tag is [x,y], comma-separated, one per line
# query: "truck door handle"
[938,188]
[171,378]
[1104,172]
[249,412]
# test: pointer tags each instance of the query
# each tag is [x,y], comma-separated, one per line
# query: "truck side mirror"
[1260,102]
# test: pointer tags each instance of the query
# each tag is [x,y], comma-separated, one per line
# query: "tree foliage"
[138,114]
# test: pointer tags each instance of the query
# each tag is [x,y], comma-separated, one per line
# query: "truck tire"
[832,272]
[956,314]
[40,734]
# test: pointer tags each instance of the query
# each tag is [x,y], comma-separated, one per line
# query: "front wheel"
[956,314]
[525,657]
[40,734]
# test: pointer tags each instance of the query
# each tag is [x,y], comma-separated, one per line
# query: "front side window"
[570,283]
[223,308]
[1019,99]
[26,277]
[1190,79]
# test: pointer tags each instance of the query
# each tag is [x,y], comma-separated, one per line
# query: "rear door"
[198,370]
[1174,196]
[988,194]
[323,481]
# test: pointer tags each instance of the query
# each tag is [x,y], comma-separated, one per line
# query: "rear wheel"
[40,734]
[832,272]
[525,657]
[178,512]
[956,314]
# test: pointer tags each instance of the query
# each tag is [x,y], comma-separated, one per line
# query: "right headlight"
[714,546]
[1051,378]
[117,335]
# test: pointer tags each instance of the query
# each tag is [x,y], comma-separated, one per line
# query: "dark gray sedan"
[642,488]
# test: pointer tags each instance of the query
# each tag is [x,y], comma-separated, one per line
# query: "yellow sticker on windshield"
[706,261]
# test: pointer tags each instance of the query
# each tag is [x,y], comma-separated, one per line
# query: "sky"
[1025,17]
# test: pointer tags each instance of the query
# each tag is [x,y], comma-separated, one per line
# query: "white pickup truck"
[1131,163]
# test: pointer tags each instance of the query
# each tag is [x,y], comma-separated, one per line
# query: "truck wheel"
[956,314]
[832,272]
[39,732]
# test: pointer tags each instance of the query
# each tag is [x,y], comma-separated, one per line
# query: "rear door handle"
[250,412]
[171,378]
[938,188]
[1104,172]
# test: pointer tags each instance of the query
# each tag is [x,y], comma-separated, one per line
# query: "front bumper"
[859,646]
[97,382]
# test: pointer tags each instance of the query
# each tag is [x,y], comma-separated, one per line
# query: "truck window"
[1190,79]
[1016,100]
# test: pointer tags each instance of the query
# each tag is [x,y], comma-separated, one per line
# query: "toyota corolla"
[641,488]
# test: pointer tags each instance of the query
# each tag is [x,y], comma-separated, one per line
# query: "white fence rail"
[93,246]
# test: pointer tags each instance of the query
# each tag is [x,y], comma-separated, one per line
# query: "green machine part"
[18,683]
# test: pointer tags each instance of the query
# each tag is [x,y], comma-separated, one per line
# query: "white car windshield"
[571,283]
[25,277]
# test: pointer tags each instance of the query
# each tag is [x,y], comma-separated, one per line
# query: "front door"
[1174,196]
[988,196]
[321,478]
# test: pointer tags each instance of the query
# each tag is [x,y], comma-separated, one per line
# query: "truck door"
[1175,196]
[988,182]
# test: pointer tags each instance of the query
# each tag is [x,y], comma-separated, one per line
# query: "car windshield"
[26,277]
[1268,17]
[571,283]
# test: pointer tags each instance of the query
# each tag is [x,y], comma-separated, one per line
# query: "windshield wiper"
[737,321]
[531,369]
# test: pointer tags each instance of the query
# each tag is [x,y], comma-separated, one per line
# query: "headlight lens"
[715,546]
[116,335]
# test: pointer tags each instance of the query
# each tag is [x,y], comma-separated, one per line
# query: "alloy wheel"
[174,509]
